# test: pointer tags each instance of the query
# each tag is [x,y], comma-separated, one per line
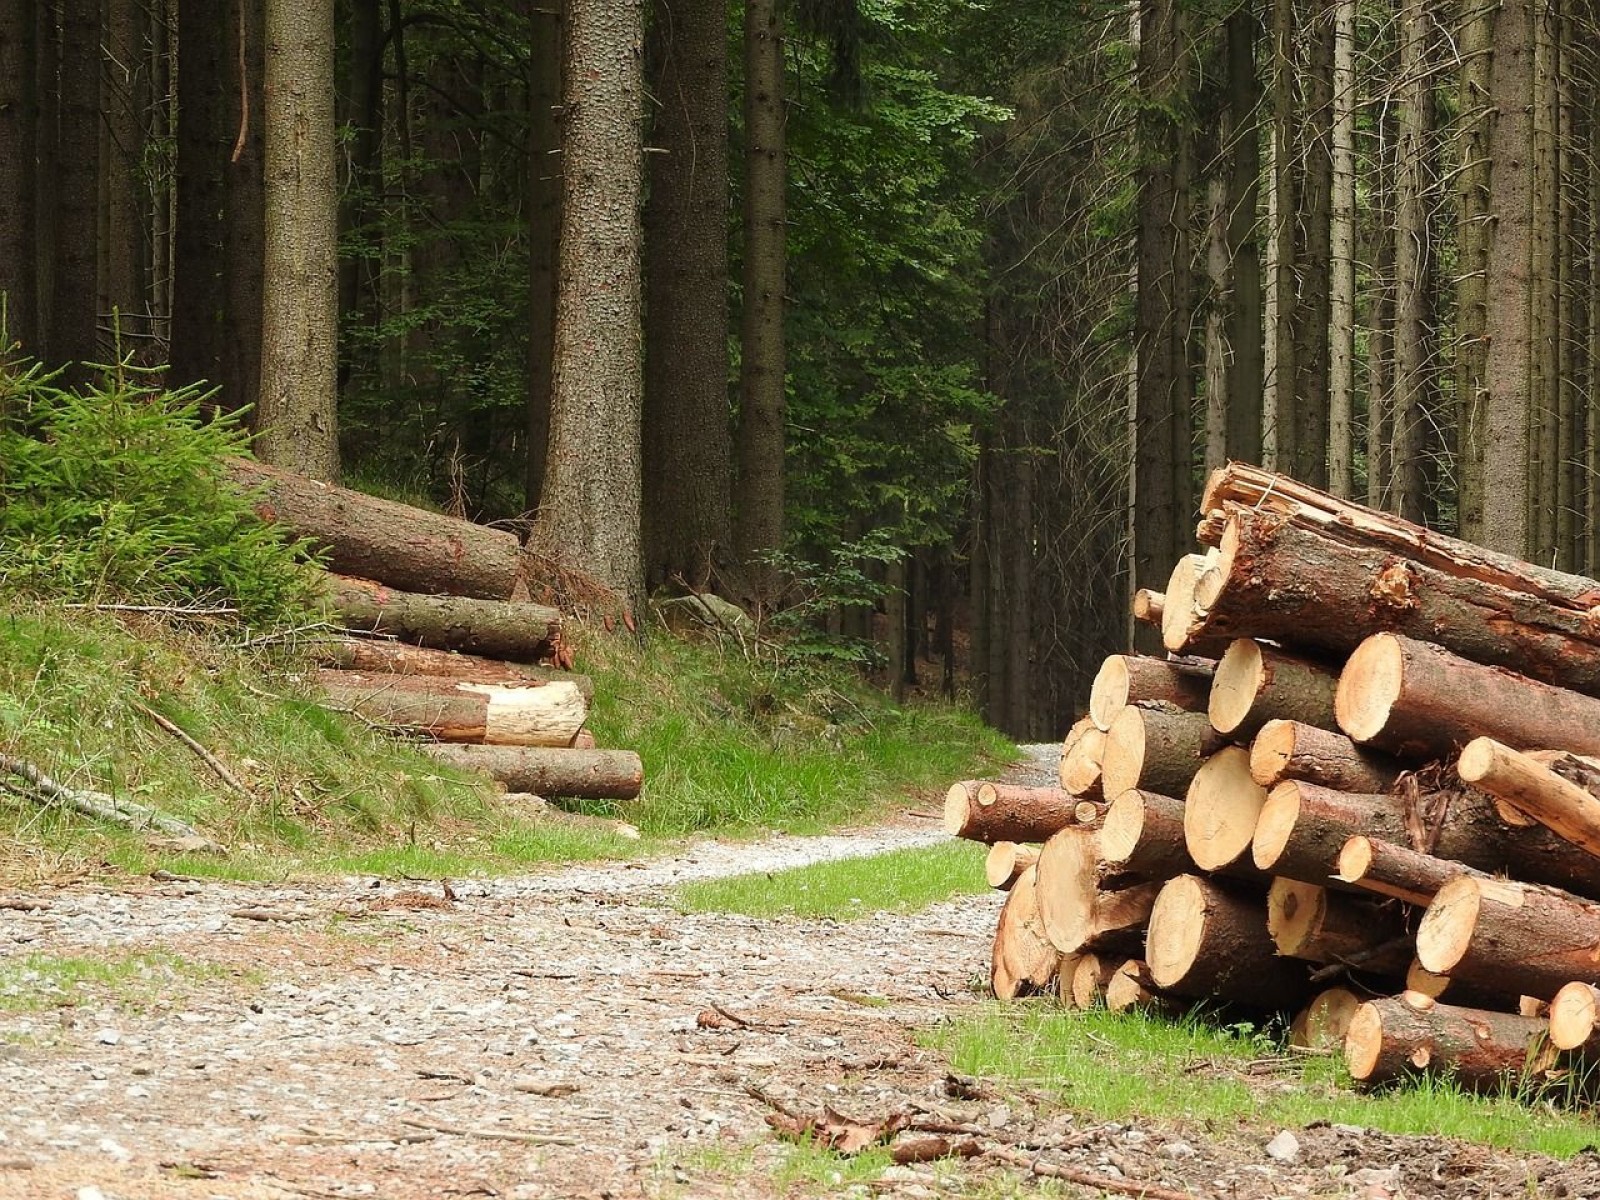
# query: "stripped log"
[1209,940]
[1142,836]
[1510,937]
[1083,903]
[1156,750]
[549,714]
[381,656]
[1081,754]
[1255,684]
[1006,861]
[1294,750]
[1323,1023]
[494,628]
[1002,812]
[1575,1019]
[1221,810]
[1024,962]
[1403,1035]
[1125,679]
[1552,799]
[1321,926]
[1416,699]
[576,773]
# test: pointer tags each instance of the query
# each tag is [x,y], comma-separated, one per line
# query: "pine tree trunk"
[297,420]
[1244,378]
[688,449]
[73,323]
[122,99]
[244,205]
[19,117]
[1544,412]
[1472,249]
[758,515]
[1342,282]
[589,510]
[47,90]
[1313,262]
[361,181]
[1412,265]
[544,231]
[1282,373]
[199,288]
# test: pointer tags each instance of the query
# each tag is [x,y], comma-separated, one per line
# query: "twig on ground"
[218,767]
[98,804]
[1088,1179]
[494,1135]
[270,914]
[175,610]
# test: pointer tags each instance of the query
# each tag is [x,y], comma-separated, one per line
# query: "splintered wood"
[1360,789]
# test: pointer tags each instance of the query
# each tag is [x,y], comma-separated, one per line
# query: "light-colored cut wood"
[1220,810]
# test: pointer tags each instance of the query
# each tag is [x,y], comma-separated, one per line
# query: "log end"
[1363,1042]
[1179,603]
[1477,759]
[1294,914]
[1088,979]
[1177,929]
[1148,606]
[1275,824]
[1355,859]
[1445,931]
[1369,686]
[1235,686]
[1108,695]
[1271,751]
[1573,1015]
[1324,1023]
[1122,827]
[1221,809]
[1122,758]
[957,808]
[1066,888]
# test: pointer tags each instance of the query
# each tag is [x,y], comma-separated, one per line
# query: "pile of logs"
[441,640]
[1357,788]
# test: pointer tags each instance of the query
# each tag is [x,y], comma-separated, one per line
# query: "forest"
[920,319]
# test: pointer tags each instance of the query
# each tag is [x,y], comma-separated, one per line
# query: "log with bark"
[1457,991]
[1142,836]
[1220,811]
[1130,989]
[1005,863]
[1415,699]
[1404,1035]
[981,811]
[1255,683]
[550,772]
[549,714]
[1322,1024]
[1125,679]
[1090,975]
[1321,926]
[1081,753]
[1575,1019]
[1207,939]
[1293,750]
[1537,789]
[402,546]
[1147,606]
[1387,868]
[1302,828]
[1510,937]
[1083,903]
[1156,750]
[493,628]
[380,655]
[1024,962]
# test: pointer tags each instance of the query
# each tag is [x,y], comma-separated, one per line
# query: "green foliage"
[116,493]
[817,590]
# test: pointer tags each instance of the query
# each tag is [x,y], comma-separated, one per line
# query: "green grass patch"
[898,881]
[37,981]
[1114,1065]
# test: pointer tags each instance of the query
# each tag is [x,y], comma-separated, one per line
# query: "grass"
[1115,1065]
[36,982]
[898,881]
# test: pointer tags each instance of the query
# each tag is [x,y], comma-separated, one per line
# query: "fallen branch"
[1088,1179]
[493,1135]
[127,813]
[218,768]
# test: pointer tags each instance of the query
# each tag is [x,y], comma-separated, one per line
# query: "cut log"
[1155,750]
[1220,811]
[1208,940]
[1003,812]
[578,774]
[1125,679]
[1066,967]
[1130,989]
[1006,861]
[401,546]
[494,628]
[1178,602]
[1293,750]
[1090,812]
[1510,937]
[1090,975]
[549,714]
[1322,1024]
[1147,606]
[1081,760]
[1534,788]
[545,813]
[1403,1035]
[1024,962]
[1415,699]
[1083,904]
[379,656]
[1387,868]
[1314,924]
[1302,828]
[1455,991]
[1255,684]
[1575,1018]
[1142,836]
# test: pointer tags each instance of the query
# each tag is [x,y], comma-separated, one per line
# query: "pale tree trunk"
[243,204]
[758,521]
[1311,325]
[123,95]
[1568,325]
[1243,424]
[688,447]
[1380,331]
[1282,375]
[1342,283]
[297,421]
[1218,279]
[1509,327]
[73,324]
[199,286]
[1412,264]
[588,518]
[19,116]
[1475,35]
[544,229]
[1542,485]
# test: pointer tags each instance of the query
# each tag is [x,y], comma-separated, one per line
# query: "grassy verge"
[1114,1065]
[898,881]
[36,982]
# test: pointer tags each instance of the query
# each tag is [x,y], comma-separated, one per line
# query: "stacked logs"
[440,640]
[1362,786]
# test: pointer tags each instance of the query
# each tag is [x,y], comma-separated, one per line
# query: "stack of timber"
[441,641]
[1362,787]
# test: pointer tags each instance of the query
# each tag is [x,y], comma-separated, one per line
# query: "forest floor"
[567,1034]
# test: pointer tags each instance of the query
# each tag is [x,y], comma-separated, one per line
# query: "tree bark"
[73,324]
[1220,811]
[544,230]
[1142,836]
[987,812]
[1281,300]
[688,448]
[1570,810]
[297,416]
[1309,446]
[1341,238]
[1473,225]
[1208,941]
[1154,750]
[1125,679]
[1389,869]
[375,656]
[494,628]
[1413,384]
[1292,750]
[200,254]
[1256,683]
[19,131]
[1509,936]
[244,206]
[1302,828]
[1244,378]
[549,714]
[1312,923]
[1411,1033]
[547,771]
[124,97]
[588,518]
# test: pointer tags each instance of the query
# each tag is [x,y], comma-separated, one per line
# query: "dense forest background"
[921,318]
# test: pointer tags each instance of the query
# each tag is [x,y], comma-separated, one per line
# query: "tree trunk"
[1411,1034]
[1510,285]
[758,515]
[393,543]
[297,416]
[1005,863]
[1341,238]
[1142,835]
[549,714]
[244,206]
[1413,388]
[19,130]
[1292,750]
[544,229]
[1311,326]
[1509,936]
[1281,300]
[1257,683]
[1302,828]
[1208,941]
[1125,679]
[688,449]
[493,628]
[988,812]
[1473,226]
[1558,803]
[589,511]
[124,96]
[375,656]
[1389,869]
[73,324]
[1220,811]
[548,771]
[1244,378]
[1154,750]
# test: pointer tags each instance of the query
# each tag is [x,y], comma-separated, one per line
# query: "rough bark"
[1413,383]
[987,812]
[1142,836]
[377,656]
[1302,828]
[1342,256]
[199,254]
[1256,683]
[1309,445]
[1552,799]
[1243,422]
[1473,223]
[19,124]
[297,415]
[123,99]
[1220,811]
[244,206]
[1153,749]
[588,518]
[1510,937]
[73,324]
[493,628]
[1405,1035]
[396,544]
[544,230]
[1210,941]
[1005,863]
[1125,679]
[547,715]
[1292,750]
[548,771]
[688,448]
[1310,922]
[1390,869]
